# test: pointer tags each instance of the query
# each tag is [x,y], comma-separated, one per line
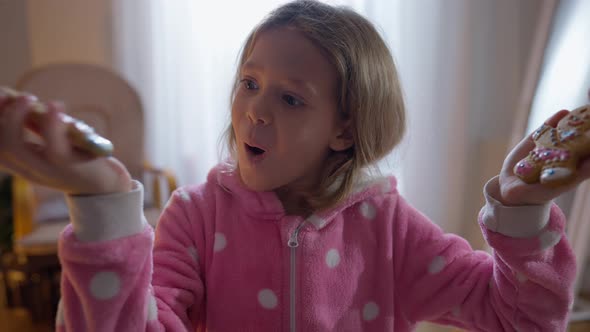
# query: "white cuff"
[515,221]
[107,217]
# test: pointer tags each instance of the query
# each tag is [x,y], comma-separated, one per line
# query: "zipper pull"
[293,242]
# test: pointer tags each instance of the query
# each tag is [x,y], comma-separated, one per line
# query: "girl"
[292,234]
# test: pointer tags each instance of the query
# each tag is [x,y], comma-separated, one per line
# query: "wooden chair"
[112,107]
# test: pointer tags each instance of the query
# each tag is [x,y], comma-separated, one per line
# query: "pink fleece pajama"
[225,258]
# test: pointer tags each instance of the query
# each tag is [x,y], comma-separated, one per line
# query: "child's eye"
[292,100]
[249,84]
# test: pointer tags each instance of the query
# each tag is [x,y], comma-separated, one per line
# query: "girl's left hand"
[514,191]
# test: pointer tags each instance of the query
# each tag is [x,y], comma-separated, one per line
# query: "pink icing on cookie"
[524,168]
[546,154]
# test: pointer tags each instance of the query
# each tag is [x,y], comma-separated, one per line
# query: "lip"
[255,145]
[252,157]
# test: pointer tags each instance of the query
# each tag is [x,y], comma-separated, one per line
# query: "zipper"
[293,244]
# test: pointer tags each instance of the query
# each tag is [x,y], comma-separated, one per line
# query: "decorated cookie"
[80,134]
[555,158]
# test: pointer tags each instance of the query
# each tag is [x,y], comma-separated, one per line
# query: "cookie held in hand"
[80,134]
[555,158]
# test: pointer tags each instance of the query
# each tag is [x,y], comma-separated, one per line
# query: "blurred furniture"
[106,102]
[31,282]
[5,213]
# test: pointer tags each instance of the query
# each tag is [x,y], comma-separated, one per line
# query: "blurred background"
[471,70]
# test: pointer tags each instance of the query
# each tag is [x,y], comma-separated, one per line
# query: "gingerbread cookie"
[80,134]
[558,150]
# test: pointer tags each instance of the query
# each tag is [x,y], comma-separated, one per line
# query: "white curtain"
[460,62]
[566,60]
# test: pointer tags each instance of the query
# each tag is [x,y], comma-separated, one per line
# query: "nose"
[259,112]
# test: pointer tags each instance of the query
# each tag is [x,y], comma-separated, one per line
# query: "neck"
[294,202]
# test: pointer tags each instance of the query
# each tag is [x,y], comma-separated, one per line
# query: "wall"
[15,56]
[35,33]
[70,30]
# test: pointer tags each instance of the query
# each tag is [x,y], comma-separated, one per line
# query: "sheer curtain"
[460,63]
[181,58]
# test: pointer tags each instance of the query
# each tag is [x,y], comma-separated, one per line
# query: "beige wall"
[70,30]
[41,32]
[15,55]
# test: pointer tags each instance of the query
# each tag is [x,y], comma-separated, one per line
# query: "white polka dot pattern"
[151,307]
[368,210]
[332,258]
[184,195]
[548,239]
[59,317]
[105,285]
[267,299]
[220,242]
[437,264]
[370,311]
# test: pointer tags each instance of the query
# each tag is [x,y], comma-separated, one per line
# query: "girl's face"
[284,114]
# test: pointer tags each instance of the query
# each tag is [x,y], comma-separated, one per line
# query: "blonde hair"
[369,92]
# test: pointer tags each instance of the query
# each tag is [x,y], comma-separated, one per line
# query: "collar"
[266,206]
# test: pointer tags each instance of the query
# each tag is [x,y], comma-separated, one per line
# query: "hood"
[266,206]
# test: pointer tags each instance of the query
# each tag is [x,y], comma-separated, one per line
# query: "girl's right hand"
[55,163]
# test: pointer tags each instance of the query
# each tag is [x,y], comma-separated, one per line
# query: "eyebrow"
[249,65]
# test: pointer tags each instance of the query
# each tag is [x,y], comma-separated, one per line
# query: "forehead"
[289,53]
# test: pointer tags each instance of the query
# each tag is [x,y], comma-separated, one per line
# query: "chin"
[254,184]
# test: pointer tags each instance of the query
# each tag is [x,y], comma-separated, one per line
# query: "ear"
[342,139]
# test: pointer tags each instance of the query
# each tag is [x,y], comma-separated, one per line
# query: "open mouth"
[254,150]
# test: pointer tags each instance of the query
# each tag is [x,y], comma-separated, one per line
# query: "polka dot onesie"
[224,258]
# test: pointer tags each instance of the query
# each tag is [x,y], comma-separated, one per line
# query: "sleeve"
[525,284]
[108,254]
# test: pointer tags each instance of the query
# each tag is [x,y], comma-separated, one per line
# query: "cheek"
[314,128]
[236,113]
[308,135]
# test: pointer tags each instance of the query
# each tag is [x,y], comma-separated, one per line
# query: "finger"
[13,119]
[8,93]
[13,145]
[12,166]
[519,152]
[72,153]
[554,119]
[4,100]
[54,132]
[19,161]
